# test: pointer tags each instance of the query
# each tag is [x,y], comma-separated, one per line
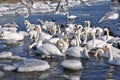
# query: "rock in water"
[30,65]
[1,74]
[5,54]
[72,65]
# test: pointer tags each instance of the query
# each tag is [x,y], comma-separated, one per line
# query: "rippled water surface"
[94,69]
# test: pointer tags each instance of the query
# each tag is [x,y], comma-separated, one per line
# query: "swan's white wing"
[106,16]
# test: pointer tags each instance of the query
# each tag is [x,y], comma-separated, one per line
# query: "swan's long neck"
[94,38]
[107,35]
[28,27]
[98,52]
[88,25]
[39,38]
[39,43]
[79,34]
[77,41]
[110,54]
[86,52]
[85,41]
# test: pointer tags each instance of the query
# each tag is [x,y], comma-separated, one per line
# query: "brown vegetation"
[15,1]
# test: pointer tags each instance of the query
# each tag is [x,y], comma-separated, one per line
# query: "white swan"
[48,26]
[94,43]
[109,16]
[44,49]
[75,41]
[71,17]
[104,51]
[62,45]
[29,26]
[113,60]
[87,26]
[77,52]
[107,37]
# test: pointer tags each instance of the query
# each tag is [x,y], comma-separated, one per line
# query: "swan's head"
[79,26]
[26,22]
[87,23]
[61,45]
[102,50]
[105,29]
[36,28]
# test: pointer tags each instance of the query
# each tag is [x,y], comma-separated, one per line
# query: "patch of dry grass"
[16,1]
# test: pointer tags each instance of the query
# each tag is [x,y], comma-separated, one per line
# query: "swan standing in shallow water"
[44,49]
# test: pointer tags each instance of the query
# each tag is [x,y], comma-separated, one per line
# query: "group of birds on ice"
[74,40]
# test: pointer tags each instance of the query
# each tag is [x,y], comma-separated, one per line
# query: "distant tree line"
[16,1]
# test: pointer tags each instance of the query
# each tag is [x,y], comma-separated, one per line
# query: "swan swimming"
[114,60]
[44,49]
[109,16]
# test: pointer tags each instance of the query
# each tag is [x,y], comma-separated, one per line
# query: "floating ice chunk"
[5,54]
[17,57]
[74,77]
[72,65]
[1,74]
[29,65]
[10,68]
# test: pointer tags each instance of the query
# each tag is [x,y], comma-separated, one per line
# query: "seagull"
[109,16]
